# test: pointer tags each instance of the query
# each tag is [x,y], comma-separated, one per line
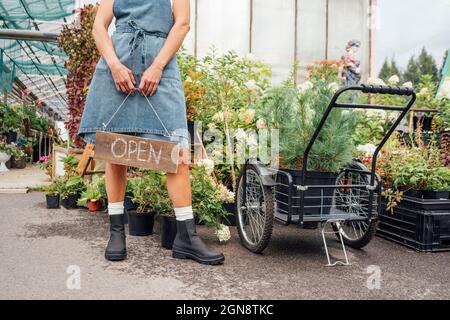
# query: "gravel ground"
[39,246]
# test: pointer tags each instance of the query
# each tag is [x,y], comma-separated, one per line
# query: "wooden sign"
[137,152]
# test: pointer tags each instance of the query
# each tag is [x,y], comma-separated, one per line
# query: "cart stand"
[323,225]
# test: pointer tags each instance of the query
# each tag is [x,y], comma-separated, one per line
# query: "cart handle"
[401,91]
[369,89]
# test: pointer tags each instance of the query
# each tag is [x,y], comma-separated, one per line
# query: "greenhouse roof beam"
[18,34]
[49,80]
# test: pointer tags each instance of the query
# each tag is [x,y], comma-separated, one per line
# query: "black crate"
[420,224]
[317,200]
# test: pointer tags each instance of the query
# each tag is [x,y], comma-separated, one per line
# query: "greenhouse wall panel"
[347,20]
[272,32]
[273,35]
[311,32]
[224,24]
[189,42]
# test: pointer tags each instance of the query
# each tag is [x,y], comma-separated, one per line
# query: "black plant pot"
[168,226]
[11,137]
[140,224]
[230,220]
[19,163]
[71,201]
[436,194]
[413,193]
[129,205]
[8,164]
[52,201]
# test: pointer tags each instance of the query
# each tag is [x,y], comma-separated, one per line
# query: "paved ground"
[16,179]
[38,245]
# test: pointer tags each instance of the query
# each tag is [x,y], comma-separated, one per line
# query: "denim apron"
[142,27]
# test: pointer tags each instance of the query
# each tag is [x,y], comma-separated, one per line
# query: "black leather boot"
[188,245]
[116,249]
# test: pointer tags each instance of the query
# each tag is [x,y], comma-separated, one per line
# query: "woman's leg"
[179,187]
[116,182]
[187,243]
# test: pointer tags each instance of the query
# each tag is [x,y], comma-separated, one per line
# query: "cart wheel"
[255,217]
[355,234]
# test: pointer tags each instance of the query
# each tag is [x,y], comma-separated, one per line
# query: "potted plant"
[71,192]
[91,197]
[128,201]
[45,163]
[438,186]
[415,221]
[5,155]
[52,193]
[18,159]
[207,202]
[296,111]
[11,125]
[162,205]
[141,220]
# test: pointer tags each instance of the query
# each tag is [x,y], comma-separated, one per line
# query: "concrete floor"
[19,180]
[39,246]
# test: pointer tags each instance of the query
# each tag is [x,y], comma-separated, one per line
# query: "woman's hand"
[123,78]
[150,80]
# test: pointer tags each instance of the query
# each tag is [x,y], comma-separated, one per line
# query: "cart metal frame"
[371,186]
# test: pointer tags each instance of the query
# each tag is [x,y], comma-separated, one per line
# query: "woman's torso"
[153,16]
[150,15]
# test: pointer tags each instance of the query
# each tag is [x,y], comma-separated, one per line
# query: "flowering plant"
[77,41]
[45,163]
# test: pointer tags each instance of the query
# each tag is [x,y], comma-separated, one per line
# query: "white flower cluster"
[368,149]
[305,86]
[392,81]
[207,164]
[223,233]
[243,138]
[444,92]
[225,194]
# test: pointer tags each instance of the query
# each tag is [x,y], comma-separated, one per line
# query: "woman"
[139,59]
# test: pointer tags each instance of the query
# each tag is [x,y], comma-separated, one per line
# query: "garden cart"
[348,201]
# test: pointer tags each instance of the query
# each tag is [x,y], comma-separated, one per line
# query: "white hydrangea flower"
[408,84]
[376,81]
[305,86]
[250,57]
[207,164]
[240,134]
[367,148]
[445,90]
[249,115]
[423,91]
[252,140]
[217,154]
[261,124]
[218,117]
[333,86]
[394,80]
[231,82]
[251,85]
[225,194]
[223,233]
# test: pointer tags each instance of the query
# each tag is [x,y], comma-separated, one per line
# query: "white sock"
[183,214]
[115,208]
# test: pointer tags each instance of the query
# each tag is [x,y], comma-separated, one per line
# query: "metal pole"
[17,34]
